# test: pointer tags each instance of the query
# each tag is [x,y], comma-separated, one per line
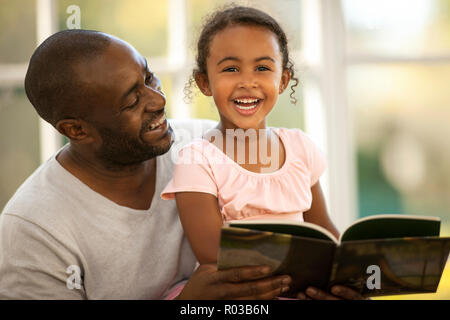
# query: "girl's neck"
[256,150]
[229,127]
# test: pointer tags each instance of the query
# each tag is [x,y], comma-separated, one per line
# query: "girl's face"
[244,75]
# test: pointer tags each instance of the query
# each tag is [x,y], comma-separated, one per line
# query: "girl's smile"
[247,106]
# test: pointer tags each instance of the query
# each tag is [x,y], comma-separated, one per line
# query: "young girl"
[243,63]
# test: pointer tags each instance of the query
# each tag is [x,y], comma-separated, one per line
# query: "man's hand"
[338,293]
[208,283]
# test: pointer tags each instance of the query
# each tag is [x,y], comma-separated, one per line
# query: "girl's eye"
[230,69]
[262,68]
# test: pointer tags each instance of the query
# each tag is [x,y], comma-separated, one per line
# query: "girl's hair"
[233,16]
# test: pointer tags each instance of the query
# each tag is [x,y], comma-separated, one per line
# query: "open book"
[376,255]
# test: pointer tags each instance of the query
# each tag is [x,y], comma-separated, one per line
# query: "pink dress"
[246,195]
[242,194]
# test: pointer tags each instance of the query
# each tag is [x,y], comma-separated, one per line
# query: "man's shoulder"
[40,198]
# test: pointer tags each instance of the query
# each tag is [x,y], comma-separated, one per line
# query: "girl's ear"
[285,78]
[203,84]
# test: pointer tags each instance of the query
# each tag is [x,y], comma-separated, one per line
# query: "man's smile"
[158,122]
[156,129]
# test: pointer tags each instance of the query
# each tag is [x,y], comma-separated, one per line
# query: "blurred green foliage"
[17,30]
[142,23]
[412,98]
[19,143]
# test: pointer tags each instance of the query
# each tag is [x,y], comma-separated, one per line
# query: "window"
[19,123]
[372,88]
[397,82]
[398,70]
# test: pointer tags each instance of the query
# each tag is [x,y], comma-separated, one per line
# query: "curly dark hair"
[238,15]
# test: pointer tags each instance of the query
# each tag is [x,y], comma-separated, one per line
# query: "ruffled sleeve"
[308,152]
[316,159]
[192,173]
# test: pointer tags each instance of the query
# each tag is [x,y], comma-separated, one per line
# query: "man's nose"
[156,100]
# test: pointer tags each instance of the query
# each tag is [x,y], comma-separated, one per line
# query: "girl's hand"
[338,293]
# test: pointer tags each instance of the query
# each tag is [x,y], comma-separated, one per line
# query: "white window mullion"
[328,118]
[355,59]
[177,57]
[12,75]
[315,121]
[49,138]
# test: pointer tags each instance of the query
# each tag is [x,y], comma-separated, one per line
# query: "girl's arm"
[318,213]
[200,216]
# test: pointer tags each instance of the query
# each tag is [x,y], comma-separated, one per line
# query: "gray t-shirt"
[59,239]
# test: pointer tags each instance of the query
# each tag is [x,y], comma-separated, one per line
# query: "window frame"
[324,56]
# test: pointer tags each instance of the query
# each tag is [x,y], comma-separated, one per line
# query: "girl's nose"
[247,82]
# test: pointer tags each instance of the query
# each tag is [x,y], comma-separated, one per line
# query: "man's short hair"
[51,82]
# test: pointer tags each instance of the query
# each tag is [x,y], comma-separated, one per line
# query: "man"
[89,223]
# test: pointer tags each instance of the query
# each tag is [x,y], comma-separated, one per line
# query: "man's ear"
[203,84]
[285,78]
[74,129]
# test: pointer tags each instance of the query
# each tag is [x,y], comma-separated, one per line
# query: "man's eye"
[133,105]
[149,78]
[230,69]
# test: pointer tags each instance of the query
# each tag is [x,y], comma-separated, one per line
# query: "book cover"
[373,267]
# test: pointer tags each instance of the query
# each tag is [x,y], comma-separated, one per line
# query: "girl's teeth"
[246,108]
[246,100]
[239,103]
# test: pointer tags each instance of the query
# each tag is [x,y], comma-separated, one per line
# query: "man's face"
[126,107]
